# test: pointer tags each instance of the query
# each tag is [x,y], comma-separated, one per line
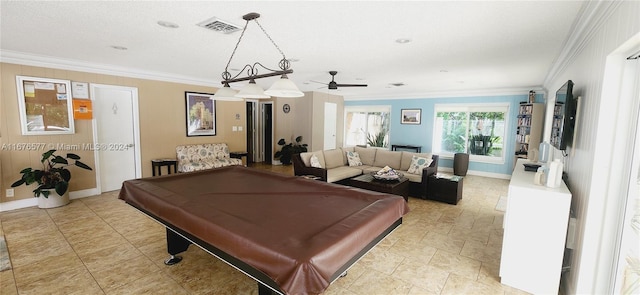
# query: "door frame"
[251,127]
[258,134]
[261,131]
[136,129]
[630,92]
[600,245]
[255,131]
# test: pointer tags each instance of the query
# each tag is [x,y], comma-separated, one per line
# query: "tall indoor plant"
[53,179]
[289,149]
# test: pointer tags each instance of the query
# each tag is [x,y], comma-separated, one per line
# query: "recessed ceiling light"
[167,24]
[444,71]
[403,40]
[116,47]
[293,59]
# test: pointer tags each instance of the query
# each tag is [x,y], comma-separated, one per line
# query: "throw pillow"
[315,162]
[353,158]
[417,164]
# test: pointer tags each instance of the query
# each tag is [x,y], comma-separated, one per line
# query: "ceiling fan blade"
[352,85]
[314,81]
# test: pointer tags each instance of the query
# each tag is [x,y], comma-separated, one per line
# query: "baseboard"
[24,203]
[478,173]
[84,193]
[19,204]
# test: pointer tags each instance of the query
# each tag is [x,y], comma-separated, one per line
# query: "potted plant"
[53,176]
[289,149]
[377,140]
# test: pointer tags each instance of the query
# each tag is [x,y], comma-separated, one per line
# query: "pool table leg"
[175,244]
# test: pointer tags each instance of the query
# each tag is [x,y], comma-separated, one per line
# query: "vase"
[54,200]
[460,164]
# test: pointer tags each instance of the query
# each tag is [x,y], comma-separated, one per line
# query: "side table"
[157,164]
[239,155]
[445,188]
[395,147]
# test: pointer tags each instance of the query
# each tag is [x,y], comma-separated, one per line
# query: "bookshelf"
[529,129]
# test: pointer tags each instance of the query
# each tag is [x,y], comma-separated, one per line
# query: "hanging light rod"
[281,88]
[267,75]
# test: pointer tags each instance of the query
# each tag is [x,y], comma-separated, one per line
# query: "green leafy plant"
[289,149]
[378,139]
[485,123]
[54,174]
[480,144]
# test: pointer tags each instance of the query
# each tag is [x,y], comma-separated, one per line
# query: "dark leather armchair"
[300,169]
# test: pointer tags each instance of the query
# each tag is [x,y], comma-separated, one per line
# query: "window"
[367,125]
[479,130]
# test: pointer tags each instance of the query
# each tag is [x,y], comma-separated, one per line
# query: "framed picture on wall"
[45,106]
[411,116]
[200,114]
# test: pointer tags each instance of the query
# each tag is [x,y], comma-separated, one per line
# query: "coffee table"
[366,181]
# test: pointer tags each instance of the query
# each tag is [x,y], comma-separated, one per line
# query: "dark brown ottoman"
[445,188]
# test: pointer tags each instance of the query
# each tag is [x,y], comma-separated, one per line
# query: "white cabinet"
[535,229]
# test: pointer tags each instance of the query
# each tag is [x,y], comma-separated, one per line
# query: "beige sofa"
[334,165]
[195,157]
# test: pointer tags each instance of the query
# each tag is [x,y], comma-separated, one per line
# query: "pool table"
[292,235]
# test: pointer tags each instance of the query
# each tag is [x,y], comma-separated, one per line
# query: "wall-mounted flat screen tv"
[564,117]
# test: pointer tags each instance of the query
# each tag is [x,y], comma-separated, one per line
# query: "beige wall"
[295,123]
[162,124]
[319,98]
[306,119]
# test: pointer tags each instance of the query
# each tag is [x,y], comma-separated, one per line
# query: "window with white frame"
[479,130]
[367,125]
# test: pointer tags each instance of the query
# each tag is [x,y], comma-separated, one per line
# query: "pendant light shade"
[226,94]
[284,88]
[252,90]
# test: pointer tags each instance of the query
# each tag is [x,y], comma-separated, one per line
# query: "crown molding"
[20,58]
[14,57]
[453,93]
[590,18]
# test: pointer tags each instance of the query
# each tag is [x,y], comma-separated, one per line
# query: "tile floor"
[100,245]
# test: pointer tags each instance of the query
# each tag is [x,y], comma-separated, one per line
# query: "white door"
[330,123]
[116,135]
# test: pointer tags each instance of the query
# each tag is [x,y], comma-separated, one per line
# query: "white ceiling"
[455,47]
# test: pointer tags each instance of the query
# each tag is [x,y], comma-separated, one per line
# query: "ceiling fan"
[334,85]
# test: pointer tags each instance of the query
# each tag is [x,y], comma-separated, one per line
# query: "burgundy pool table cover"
[299,232]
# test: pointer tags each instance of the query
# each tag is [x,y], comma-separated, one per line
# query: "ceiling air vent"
[218,25]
